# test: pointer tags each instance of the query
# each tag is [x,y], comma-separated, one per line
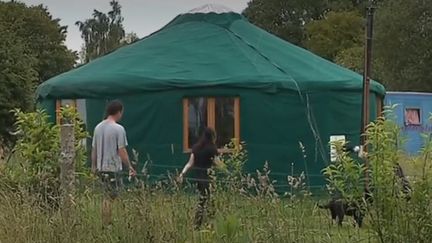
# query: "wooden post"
[67,166]
[367,74]
[366,89]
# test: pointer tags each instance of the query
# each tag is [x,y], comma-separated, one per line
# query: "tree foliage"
[17,78]
[283,18]
[42,34]
[31,50]
[334,29]
[403,44]
[351,58]
[35,168]
[288,18]
[103,32]
[337,32]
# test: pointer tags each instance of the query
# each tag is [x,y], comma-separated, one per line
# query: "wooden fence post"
[67,166]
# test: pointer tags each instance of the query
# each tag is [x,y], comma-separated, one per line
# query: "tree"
[337,32]
[340,36]
[403,44]
[43,35]
[102,33]
[17,78]
[130,38]
[353,5]
[31,50]
[284,18]
[351,58]
[333,29]
[288,18]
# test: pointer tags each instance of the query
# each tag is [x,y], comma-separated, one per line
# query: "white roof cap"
[211,8]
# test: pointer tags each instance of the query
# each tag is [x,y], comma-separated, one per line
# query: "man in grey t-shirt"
[109,137]
[108,154]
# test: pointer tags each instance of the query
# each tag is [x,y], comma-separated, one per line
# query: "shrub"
[35,168]
[394,216]
[345,176]
[235,160]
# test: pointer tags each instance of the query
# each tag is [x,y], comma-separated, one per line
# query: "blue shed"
[412,115]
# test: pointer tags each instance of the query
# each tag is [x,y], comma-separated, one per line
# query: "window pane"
[412,117]
[224,121]
[197,118]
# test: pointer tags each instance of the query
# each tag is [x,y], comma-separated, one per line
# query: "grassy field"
[245,206]
[166,215]
[155,216]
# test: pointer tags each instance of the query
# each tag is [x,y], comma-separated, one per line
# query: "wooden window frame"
[379,106]
[211,120]
[58,111]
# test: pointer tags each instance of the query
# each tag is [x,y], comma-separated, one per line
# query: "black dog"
[339,208]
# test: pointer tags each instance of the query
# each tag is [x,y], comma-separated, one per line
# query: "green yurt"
[219,70]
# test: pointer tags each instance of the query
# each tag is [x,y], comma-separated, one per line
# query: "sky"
[140,16]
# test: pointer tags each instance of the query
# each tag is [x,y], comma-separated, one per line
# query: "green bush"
[393,217]
[235,160]
[35,168]
[345,176]
[394,214]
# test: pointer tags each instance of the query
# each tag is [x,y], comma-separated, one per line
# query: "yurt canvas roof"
[204,50]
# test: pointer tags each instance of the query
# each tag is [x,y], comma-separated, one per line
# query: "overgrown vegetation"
[395,213]
[32,50]
[345,177]
[36,169]
[246,207]
[397,216]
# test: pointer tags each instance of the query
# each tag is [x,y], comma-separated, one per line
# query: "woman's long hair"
[207,138]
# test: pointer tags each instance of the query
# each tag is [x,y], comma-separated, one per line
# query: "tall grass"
[246,207]
[155,216]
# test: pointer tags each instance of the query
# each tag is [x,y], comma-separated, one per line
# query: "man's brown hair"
[113,108]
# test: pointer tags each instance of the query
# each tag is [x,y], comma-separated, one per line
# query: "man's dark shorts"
[112,183]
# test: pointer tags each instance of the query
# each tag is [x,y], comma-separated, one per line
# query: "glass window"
[224,121]
[412,116]
[197,118]
[220,113]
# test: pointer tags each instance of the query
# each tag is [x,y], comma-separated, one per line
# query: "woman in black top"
[203,156]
